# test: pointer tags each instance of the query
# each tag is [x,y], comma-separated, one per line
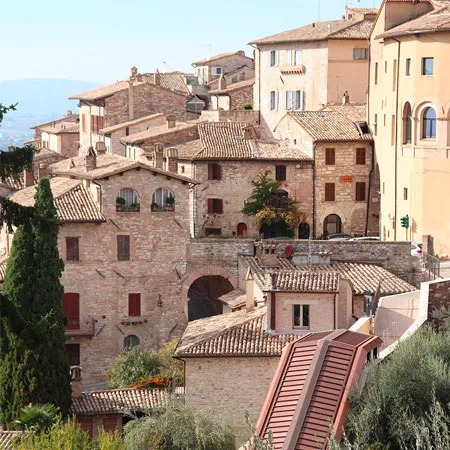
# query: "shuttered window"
[329,192]
[123,247]
[280,173]
[97,123]
[72,249]
[134,305]
[360,156]
[214,171]
[360,191]
[110,424]
[330,156]
[215,206]
[73,353]
[71,309]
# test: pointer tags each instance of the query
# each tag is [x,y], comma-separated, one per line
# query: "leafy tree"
[257,442]
[274,212]
[179,428]
[30,371]
[130,365]
[168,364]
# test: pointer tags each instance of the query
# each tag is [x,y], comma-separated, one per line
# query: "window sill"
[301,328]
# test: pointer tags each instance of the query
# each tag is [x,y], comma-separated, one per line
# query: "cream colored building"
[409,107]
[311,66]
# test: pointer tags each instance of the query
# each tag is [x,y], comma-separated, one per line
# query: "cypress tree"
[34,367]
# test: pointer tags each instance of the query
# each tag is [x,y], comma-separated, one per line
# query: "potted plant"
[170,202]
[120,202]
[155,206]
[136,207]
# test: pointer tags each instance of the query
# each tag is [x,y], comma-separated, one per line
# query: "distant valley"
[38,101]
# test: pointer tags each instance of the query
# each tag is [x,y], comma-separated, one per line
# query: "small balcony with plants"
[128,201]
[163,200]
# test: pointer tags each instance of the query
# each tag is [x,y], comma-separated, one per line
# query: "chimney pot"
[75,372]
[100,148]
[90,160]
[171,121]
[157,78]
[346,98]
[222,82]
[69,112]
[133,72]
[273,281]
[171,159]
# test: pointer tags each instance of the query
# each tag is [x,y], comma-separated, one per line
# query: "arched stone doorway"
[203,296]
[304,231]
[241,229]
[331,225]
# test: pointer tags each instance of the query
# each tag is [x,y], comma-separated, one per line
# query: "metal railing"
[78,327]
[432,266]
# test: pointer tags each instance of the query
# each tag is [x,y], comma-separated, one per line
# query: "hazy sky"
[99,40]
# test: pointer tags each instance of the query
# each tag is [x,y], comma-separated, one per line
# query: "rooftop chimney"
[346,98]
[241,52]
[222,82]
[90,160]
[273,281]
[268,256]
[171,159]
[69,112]
[158,156]
[157,78]
[75,371]
[28,178]
[133,73]
[171,121]
[100,148]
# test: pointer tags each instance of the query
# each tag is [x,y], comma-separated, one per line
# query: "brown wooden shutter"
[360,156]
[123,247]
[134,305]
[210,205]
[210,171]
[92,123]
[72,249]
[73,353]
[360,192]
[329,192]
[219,171]
[219,206]
[330,156]
[85,424]
[71,309]
[110,424]
[83,123]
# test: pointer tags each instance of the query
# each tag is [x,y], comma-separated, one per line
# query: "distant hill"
[39,100]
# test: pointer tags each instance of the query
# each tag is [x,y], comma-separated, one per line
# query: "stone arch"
[407,124]
[326,211]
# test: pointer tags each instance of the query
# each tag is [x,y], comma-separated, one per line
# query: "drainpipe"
[259,81]
[314,189]
[396,138]
[370,185]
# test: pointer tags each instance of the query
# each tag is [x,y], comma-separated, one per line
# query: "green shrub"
[37,417]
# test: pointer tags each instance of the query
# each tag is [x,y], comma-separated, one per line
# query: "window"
[384,120]
[131,341]
[214,171]
[360,191]
[330,156]
[163,200]
[429,124]
[127,131]
[394,76]
[134,305]
[242,76]
[407,124]
[293,57]
[361,156]
[300,317]
[427,66]
[215,206]
[294,99]
[71,309]
[216,70]
[128,200]
[72,249]
[329,192]
[408,67]
[73,353]
[405,193]
[123,247]
[274,100]
[280,173]
[298,57]
[182,169]
[360,54]
[289,57]
[273,58]
[96,123]
[376,73]
[375,124]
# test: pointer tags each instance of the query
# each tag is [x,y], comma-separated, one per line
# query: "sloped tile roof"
[70,118]
[297,281]
[73,202]
[62,128]
[356,112]
[117,401]
[119,126]
[3,264]
[320,31]
[6,439]
[236,334]
[217,57]
[280,150]
[173,81]
[436,20]
[234,87]
[328,126]
[234,299]
[104,91]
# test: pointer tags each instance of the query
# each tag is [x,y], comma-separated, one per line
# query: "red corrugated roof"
[310,388]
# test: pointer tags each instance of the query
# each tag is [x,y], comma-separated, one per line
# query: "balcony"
[77,327]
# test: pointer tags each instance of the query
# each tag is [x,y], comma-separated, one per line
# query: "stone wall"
[229,387]
[244,115]
[439,296]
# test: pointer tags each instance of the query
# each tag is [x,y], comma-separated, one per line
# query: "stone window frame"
[130,341]
[330,192]
[360,191]
[72,249]
[301,313]
[160,204]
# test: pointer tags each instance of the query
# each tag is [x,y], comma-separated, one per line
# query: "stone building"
[61,137]
[225,159]
[309,67]
[69,117]
[409,116]
[124,101]
[124,260]
[345,187]
[211,68]
[231,97]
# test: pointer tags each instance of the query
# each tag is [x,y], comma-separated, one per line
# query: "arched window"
[407,124]
[332,225]
[163,200]
[131,341]
[303,231]
[429,124]
[128,200]
[241,229]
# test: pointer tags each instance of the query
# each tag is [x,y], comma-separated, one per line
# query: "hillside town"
[276,224]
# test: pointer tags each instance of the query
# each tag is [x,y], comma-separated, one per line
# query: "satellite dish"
[288,251]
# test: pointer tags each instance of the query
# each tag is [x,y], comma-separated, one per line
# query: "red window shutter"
[101,122]
[210,205]
[219,206]
[92,123]
[329,192]
[360,192]
[330,156]
[360,156]
[85,424]
[72,249]
[110,424]
[210,171]
[219,172]
[134,305]
[71,309]
[123,247]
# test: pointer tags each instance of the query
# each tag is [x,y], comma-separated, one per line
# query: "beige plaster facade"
[414,165]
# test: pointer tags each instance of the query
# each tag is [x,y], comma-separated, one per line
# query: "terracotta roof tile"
[356,112]
[62,128]
[234,87]
[6,439]
[119,126]
[118,401]
[3,264]
[234,299]
[172,81]
[73,202]
[297,281]
[328,126]
[240,333]
[205,61]
[70,118]
[104,91]
[319,31]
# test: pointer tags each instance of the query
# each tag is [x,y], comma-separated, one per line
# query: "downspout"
[396,137]
[259,82]
[334,309]
[314,190]
[370,185]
